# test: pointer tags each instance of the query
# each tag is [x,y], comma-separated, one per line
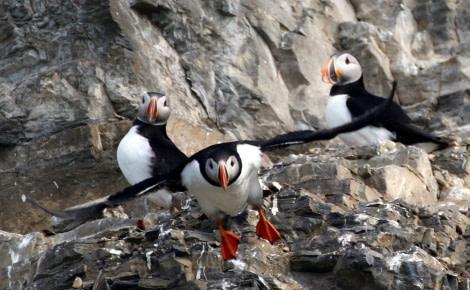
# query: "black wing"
[395,120]
[82,211]
[361,101]
[408,134]
[172,181]
[375,114]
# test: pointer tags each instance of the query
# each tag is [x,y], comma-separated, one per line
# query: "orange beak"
[223,175]
[329,74]
[325,74]
[151,114]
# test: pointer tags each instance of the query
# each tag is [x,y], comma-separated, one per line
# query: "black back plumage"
[167,155]
[395,119]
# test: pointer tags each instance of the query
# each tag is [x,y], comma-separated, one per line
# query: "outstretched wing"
[82,211]
[299,137]
[172,180]
[93,208]
[409,134]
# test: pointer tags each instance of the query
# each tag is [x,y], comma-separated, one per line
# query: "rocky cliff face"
[388,216]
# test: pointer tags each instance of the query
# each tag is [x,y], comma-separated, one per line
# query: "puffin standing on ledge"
[349,99]
[146,150]
[224,179]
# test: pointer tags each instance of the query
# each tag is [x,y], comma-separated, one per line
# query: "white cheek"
[191,176]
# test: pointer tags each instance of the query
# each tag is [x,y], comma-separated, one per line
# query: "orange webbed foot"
[229,242]
[265,229]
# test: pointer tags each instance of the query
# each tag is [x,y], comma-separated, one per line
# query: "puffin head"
[154,109]
[341,70]
[222,167]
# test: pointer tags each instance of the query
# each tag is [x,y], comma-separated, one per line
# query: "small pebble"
[77,283]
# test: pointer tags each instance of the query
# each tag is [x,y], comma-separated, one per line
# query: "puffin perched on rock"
[224,179]
[349,99]
[146,150]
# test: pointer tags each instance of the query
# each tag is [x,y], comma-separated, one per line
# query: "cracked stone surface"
[386,216]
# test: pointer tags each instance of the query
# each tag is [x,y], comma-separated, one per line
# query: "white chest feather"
[337,114]
[213,199]
[134,156]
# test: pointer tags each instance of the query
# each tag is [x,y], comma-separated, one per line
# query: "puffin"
[224,179]
[146,150]
[349,99]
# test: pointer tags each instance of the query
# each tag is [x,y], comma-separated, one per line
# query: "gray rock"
[385,216]
[455,194]
[311,261]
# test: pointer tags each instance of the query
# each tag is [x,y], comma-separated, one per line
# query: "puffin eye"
[211,165]
[232,163]
[143,100]
[347,60]
[164,104]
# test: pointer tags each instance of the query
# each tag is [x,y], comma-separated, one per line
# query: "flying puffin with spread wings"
[146,150]
[349,99]
[224,179]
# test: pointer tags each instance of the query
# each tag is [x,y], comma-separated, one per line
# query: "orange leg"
[229,244]
[265,229]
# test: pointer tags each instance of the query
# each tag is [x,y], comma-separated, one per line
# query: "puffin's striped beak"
[329,74]
[223,175]
[151,114]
